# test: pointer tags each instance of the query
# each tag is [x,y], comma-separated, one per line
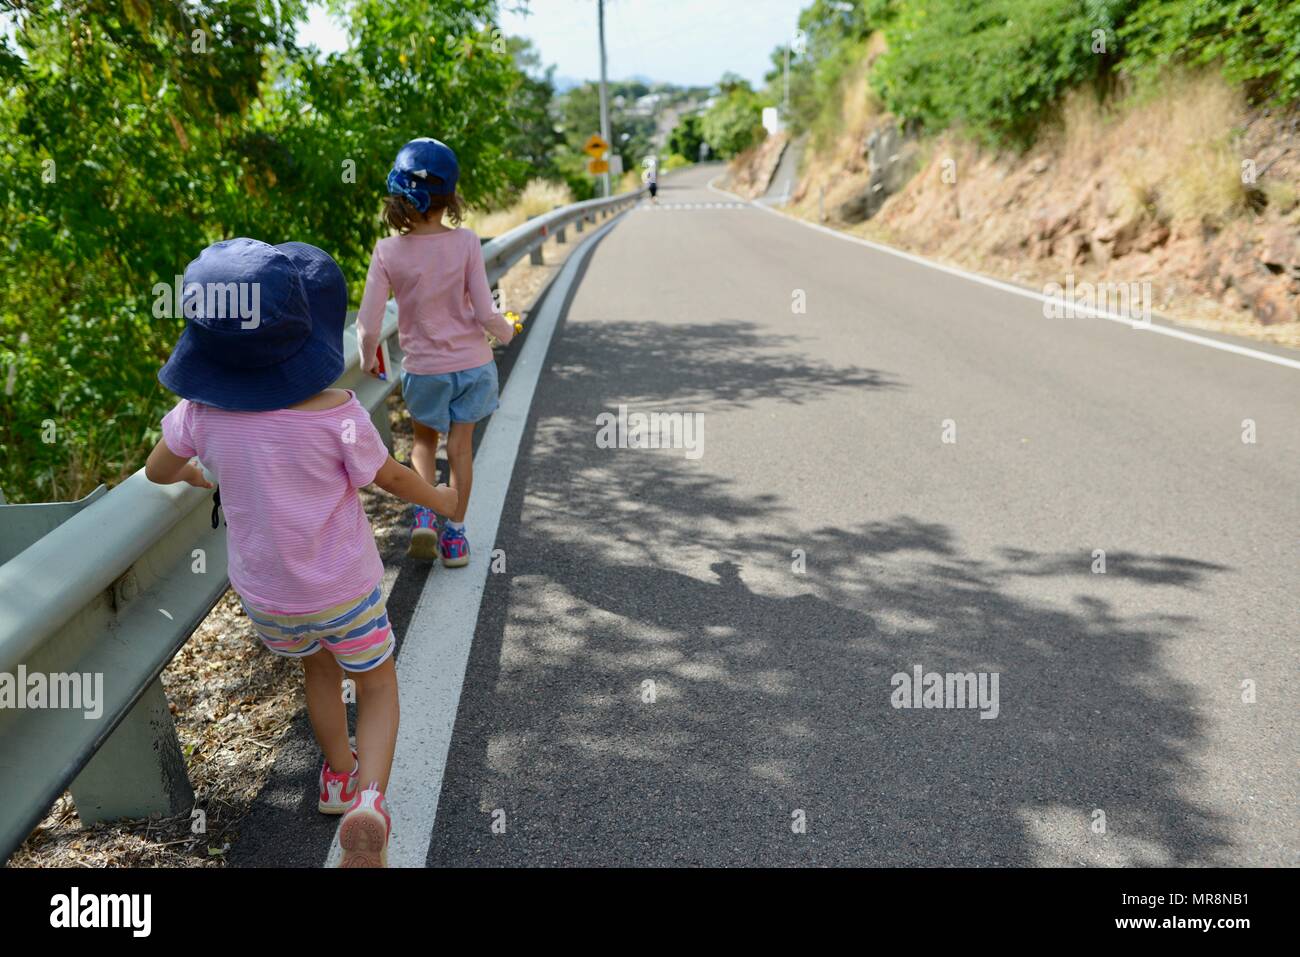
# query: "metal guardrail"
[115,585]
[507,249]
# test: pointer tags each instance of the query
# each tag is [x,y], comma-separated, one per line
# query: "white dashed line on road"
[657,207]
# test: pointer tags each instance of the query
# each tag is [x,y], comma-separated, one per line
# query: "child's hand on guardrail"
[165,467]
[193,475]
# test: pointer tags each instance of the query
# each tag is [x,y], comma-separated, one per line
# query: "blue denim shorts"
[437,401]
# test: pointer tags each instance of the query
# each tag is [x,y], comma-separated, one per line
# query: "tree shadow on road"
[638,575]
[726,364]
[766,704]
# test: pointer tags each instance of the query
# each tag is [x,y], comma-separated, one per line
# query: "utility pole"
[604,96]
[798,43]
[785,100]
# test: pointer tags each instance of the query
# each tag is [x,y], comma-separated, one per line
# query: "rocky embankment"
[1196,195]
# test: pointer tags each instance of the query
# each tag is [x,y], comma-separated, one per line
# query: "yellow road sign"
[597,166]
[595,146]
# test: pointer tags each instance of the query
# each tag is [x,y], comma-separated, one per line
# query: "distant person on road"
[444,305]
[289,454]
[652,178]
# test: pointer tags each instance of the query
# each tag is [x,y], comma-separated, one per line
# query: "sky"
[688,42]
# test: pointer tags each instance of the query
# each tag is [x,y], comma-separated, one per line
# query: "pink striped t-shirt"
[298,537]
[443,302]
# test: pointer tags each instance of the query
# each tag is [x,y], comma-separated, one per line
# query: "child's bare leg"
[329,718]
[460,457]
[378,713]
[424,452]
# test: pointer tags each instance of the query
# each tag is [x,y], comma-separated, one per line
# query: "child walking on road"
[444,305]
[289,453]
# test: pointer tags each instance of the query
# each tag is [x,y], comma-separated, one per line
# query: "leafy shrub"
[1255,43]
[734,122]
[993,66]
[835,32]
[687,136]
[539,196]
[999,68]
[137,133]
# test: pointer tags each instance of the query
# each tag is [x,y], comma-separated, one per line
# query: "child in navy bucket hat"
[262,344]
[444,307]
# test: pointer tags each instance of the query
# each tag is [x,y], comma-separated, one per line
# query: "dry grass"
[861,106]
[1281,194]
[539,196]
[1173,153]
[630,180]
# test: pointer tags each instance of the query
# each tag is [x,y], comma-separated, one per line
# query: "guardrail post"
[535,256]
[559,235]
[139,770]
[577,224]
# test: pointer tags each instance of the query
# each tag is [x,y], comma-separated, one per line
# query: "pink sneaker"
[454,547]
[424,535]
[364,830]
[338,791]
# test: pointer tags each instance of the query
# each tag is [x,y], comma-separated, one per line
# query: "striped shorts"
[356,633]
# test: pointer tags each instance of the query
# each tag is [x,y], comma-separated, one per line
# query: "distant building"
[647,105]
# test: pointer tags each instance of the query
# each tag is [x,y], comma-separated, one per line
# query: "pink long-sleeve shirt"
[444,302]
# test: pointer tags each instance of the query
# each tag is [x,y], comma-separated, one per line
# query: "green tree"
[734,122]
[687,136]
[833,35]
[120,130]
[997,66]
[137,132]
[1255,44]
[532,137]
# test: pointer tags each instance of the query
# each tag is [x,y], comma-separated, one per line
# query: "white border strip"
[1021,291]
[435,653]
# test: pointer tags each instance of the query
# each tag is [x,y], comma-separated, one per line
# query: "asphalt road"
[690,659]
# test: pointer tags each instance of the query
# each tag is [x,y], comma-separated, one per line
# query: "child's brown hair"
[401,215]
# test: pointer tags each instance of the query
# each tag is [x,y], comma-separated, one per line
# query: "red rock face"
[1275,302]
[1035,216]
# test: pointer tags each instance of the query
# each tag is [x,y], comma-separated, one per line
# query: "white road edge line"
[435,651]
[1018,290]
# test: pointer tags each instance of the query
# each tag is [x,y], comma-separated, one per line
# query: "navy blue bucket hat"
[424,168]
[263,326]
